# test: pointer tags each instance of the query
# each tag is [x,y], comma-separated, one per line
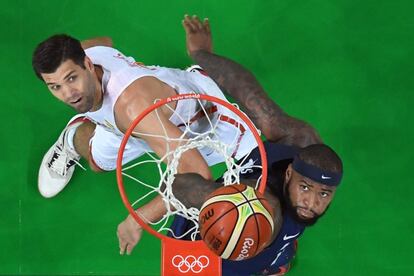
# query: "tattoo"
[241,84]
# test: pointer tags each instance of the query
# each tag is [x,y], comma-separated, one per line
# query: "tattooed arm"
[239,83]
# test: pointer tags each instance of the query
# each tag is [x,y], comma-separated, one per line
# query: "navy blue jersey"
[282,249]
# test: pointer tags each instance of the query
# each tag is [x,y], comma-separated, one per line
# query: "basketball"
[236,222]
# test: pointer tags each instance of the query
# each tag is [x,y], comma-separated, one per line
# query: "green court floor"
[345,66]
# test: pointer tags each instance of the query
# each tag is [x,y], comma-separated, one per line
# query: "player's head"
[311,181]
[69,74]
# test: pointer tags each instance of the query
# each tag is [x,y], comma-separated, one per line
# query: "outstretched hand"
[129,233]
[198,35]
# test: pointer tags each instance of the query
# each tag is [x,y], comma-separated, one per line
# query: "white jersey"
[120,71]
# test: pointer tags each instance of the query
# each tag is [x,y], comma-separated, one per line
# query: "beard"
[86,106]
[293,210]
[89,94]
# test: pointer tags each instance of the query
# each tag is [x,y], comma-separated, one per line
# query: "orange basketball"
[236,222]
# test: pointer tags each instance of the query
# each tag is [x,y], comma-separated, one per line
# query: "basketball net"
[199,131]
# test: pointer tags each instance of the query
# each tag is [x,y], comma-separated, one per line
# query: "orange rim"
[162,102]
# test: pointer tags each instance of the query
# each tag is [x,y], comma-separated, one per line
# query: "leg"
[58,163]
[103,147]
[81,142]
[81,138]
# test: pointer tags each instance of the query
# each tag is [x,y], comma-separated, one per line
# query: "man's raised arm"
[241,84]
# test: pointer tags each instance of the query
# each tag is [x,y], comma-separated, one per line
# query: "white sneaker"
[58,163]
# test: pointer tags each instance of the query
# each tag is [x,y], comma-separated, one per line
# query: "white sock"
[70,133]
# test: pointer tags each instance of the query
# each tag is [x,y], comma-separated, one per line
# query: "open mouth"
[77,101]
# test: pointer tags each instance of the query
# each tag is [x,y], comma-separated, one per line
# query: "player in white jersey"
[119,72]
[110,90]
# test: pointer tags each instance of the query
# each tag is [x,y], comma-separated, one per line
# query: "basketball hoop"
[188,257]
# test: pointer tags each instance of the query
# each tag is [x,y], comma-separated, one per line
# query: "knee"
[94,167]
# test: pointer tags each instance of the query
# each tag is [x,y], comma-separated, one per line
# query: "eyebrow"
[307,182]
[311,185]
[67,76]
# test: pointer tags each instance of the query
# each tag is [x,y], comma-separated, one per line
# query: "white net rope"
[195,135]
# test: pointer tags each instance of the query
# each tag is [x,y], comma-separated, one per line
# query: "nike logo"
[286,237]
[326,177]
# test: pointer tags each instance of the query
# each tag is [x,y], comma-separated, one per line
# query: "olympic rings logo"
[196,265]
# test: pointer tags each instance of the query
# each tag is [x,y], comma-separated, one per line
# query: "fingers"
[128,235]
[194,24]
[206,24]
[122,248]
[126,247]
[126,244]
[129,248]
[188,23]
[122,243]
[185,25]
[197,22]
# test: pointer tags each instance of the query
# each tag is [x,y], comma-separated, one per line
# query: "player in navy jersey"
[301,184]
[303,173]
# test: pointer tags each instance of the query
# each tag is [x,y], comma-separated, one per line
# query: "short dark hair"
[321,156]
[55,50]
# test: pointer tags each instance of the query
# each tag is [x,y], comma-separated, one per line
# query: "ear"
[288,173]
[89,64]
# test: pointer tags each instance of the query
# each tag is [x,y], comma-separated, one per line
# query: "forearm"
[97,41]
[244,88]
[241,84]
[238,82]
[192,162]
[153,210]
